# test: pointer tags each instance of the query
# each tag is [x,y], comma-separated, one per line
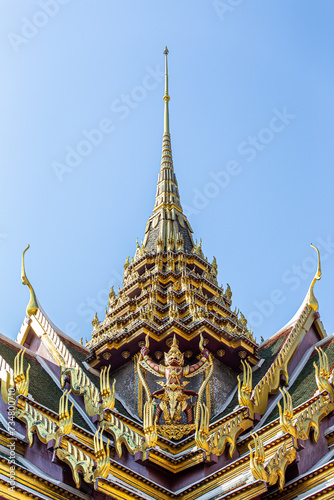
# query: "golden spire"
[166,97]
[167,189]
[32,305]
[168,222]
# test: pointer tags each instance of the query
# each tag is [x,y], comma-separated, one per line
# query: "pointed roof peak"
[168,228]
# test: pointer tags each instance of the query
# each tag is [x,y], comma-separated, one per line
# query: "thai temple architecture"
[173,397]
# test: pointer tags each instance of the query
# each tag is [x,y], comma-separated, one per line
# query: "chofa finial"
[311,300]
[32,305]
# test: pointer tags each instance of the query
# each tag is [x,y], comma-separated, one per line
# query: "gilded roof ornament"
[112,296]
[127,262]
[214,266]
[311,300]
[323,374]
[228,292]
[200,251]
[95,322]
[32,306]
[243,320]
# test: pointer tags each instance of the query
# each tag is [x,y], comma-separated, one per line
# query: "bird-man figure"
[173,397]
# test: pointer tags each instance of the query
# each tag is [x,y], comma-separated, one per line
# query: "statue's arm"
[157,368]
[192,369]
[153,365]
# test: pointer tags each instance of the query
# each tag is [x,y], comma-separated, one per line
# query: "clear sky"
[251,119]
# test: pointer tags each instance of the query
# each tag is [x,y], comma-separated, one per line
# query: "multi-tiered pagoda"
[172,398]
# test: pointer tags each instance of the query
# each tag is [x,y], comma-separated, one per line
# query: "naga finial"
[32,305]
[311,300]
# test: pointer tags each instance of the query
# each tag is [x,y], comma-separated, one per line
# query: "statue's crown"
[175,345]
[174,351]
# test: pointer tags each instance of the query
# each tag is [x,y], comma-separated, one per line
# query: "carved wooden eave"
[129,342]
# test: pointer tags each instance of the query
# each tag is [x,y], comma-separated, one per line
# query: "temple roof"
[167,228]
[260,421]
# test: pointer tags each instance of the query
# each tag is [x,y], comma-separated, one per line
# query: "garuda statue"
[173,396]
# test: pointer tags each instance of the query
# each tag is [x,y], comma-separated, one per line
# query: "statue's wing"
[147,367]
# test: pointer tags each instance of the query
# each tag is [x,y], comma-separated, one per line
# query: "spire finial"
[166,96]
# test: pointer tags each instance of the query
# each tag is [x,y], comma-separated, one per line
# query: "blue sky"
[251,118]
